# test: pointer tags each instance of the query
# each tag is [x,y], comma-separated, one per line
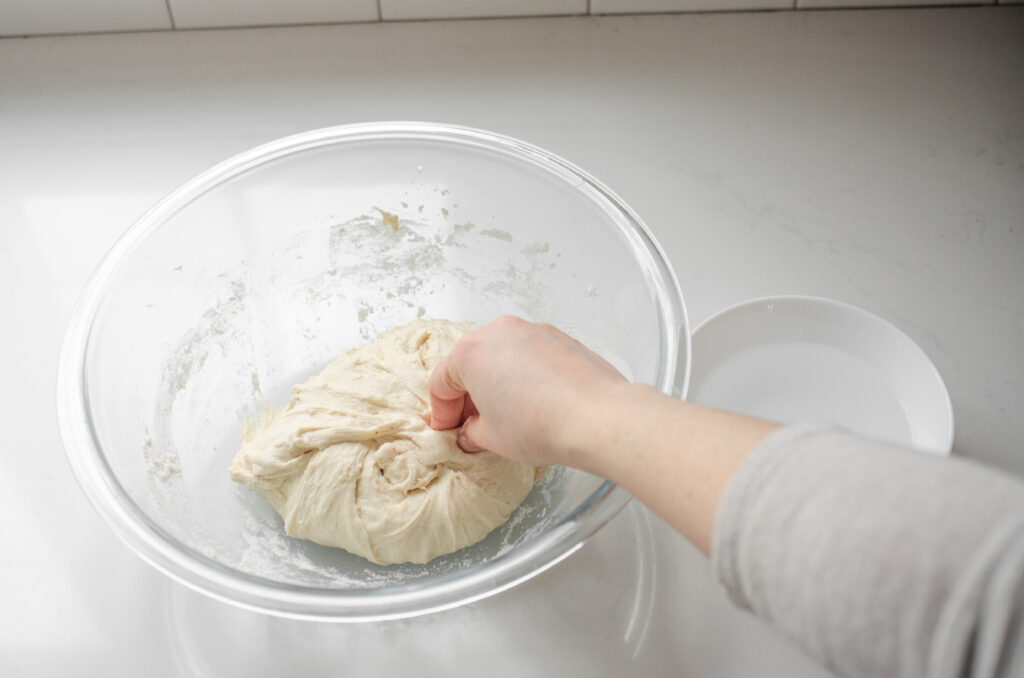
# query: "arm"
[878,561]
[543,398]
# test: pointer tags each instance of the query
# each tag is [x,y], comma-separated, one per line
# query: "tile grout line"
[380,11]
[965,4]
[170,15]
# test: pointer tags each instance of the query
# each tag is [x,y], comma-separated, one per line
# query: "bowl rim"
[207,575]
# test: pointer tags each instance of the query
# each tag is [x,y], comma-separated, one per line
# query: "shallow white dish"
[800,359]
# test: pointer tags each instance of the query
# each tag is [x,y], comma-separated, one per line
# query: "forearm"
[678,462]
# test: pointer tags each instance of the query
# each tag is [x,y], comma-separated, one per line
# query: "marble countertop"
[875,157]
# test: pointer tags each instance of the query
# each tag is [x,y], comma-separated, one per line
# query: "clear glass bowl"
[260,271]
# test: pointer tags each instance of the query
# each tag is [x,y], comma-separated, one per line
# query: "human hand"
[521,390]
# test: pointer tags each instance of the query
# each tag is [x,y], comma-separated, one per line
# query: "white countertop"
[876,157]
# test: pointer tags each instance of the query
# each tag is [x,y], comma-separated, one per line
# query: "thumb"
[467,434]
[447,396]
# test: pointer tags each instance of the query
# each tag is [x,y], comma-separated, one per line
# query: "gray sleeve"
[879,561]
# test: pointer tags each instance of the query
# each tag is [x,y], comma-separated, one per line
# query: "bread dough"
[352,461]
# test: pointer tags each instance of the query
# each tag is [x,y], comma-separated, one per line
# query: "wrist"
[602,428]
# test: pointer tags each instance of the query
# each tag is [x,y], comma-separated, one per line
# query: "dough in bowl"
[352,462]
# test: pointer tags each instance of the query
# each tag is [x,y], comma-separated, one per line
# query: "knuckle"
[508,321]
[465,346]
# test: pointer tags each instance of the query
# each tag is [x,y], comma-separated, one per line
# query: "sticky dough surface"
[351,461]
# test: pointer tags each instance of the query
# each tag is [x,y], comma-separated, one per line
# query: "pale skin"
[531,393]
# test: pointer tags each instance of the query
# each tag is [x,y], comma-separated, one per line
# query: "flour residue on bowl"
[162,464]
[399,261]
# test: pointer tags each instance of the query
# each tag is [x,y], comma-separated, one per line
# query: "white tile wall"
[210,13]
[35,17]
[641,6]
[41,17]
[461,9]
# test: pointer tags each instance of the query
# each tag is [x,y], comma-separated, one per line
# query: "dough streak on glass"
[352,462]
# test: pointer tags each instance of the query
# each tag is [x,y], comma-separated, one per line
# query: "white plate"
[805,359]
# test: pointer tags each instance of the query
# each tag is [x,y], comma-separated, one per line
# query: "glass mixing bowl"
[257,273]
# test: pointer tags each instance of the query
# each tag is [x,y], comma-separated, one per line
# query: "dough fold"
[351,461]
